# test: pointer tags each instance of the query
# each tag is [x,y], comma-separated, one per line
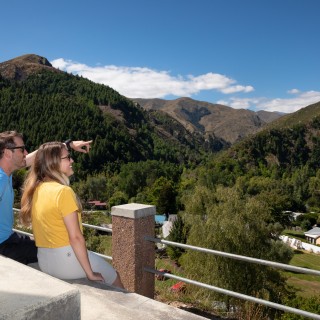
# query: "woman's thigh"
[60,262]
[63,264]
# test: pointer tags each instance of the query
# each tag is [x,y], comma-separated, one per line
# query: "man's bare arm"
[80,146]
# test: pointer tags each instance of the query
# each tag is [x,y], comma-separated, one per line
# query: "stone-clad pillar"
[130,252]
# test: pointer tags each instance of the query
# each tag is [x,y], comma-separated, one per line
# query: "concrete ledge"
[29,294]
[26,293]
[99,301]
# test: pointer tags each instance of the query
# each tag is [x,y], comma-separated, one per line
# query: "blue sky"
[251,54]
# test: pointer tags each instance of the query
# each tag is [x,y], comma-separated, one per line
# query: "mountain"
[268,117]
[47,104]
[288,144]
[225,123]
[21,67]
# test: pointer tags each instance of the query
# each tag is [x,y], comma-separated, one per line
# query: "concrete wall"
[26,293]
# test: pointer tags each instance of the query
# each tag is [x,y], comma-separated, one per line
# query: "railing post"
[130,252]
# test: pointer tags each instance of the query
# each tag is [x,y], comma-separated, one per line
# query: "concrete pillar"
[130,252]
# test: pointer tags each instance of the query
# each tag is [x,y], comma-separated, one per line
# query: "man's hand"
[81,146]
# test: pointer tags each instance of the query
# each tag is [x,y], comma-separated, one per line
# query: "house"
[313,235]
[97,204]
[292,215]
[167,225]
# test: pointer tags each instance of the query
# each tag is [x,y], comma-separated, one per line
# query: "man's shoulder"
[4,183]
[3,177]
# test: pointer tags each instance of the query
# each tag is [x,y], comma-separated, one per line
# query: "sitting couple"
[49,203]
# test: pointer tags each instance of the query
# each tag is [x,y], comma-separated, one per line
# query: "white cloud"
[293,91]
[241,103]
[291,105]
[301,100]
[140,82]
[59,64]
[234,89]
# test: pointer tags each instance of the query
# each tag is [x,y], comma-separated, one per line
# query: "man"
[14,156]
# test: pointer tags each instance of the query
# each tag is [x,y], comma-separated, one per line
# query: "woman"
[55,212]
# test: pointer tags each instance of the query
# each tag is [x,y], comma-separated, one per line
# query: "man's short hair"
[7,140]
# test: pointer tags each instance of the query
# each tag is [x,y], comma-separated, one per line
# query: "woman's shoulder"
[55,186]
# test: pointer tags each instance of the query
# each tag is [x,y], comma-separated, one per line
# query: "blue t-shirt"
[6,204]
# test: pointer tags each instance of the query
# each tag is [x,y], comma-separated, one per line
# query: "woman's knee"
[118,282]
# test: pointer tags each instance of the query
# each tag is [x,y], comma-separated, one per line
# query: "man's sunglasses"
[18,147]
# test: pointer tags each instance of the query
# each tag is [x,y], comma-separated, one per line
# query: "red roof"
[97,203]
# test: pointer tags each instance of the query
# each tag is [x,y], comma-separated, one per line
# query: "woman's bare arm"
[78,245]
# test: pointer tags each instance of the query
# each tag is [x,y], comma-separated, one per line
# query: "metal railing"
[97,227]
[232,293]
[222,254]
[235,256]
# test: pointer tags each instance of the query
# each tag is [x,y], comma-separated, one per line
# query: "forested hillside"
[287,154]
[55,106]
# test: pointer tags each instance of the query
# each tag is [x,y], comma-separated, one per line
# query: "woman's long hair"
[46,167]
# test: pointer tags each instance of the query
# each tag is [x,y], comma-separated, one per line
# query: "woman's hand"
[96,276]
[81,146]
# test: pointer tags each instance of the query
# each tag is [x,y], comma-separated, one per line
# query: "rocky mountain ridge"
[221,121]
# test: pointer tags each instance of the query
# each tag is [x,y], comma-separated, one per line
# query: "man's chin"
[23,164]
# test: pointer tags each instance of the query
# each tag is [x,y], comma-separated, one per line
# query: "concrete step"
[26,293]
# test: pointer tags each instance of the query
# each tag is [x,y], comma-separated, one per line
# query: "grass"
[294,234]
[163,291]
[185,300]
[307,285]
[306,260]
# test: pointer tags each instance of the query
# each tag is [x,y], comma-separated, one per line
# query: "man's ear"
[7,154]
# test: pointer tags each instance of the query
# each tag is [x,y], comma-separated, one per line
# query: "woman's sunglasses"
[67,157]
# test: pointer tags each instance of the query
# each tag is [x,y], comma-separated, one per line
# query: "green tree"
[314,191]
[118,198]
[93,188]
[236,225]
[163,196]
[310,304]
[306,221]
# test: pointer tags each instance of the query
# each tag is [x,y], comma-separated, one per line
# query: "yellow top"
[51,202]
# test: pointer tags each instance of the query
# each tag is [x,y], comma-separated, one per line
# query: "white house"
[167,225]
[313,235]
